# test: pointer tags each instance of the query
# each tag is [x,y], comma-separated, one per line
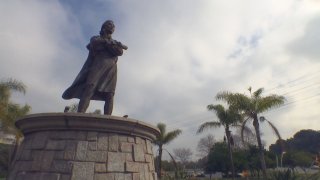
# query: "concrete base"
[74,146]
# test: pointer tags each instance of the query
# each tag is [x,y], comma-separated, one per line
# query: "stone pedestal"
[73,146]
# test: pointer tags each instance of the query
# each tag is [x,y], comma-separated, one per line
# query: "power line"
[289,92]
[295,80]
[272,110]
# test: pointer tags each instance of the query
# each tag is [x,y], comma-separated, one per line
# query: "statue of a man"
[98,76]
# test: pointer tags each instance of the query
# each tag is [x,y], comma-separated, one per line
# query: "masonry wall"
[83,155]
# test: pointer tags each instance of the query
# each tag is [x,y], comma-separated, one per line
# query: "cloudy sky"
[181,53]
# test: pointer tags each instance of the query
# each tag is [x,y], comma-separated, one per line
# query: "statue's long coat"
[99,71]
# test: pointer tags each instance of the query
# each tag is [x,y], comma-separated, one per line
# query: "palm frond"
[14,85]
[269,102]
[164,137]
[236,100]
[173,160]
[162,128]
[258,93]
[219,111]
[275,130]
[217,108]
[171,135]
[207,125]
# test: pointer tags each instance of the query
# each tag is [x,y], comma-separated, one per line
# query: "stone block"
[93,145]
[69,135]
[81,150]
[56,144]
[55,134]
[69,155]
[103,141]
[129,157]
[104,176]
[81,135]
[47,158]
[19,152]
[125,147]
[96,156]
[50,176]
[37,160]
[132,167]
[128,176]
[24,165]
[151,166]
[131,139]
[123,138]
[143,167]
[65,177]
[113,142]
[39,140]
[119,176]
[59,155]
[136,176]
[115,162]
[83,171]
[142,176]
[71,145]
[100,167]
[25,155]
[27,142]
[138,153]
[149,147]
[27,176]
[92,136]
[149,158]
[61,166]
[142,142]
[139,140]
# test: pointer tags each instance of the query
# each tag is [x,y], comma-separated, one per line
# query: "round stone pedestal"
[74,146]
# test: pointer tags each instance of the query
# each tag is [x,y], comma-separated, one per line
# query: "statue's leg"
[108,106]
[85,99]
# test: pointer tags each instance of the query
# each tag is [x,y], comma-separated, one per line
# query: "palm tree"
[252,106]
[226,118]
[162,139]
[10,111]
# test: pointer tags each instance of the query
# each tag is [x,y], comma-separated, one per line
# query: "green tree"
[298,158]
[9,111]
[226,118]
[163,139]
[217,159]
[306,140]
[252,106]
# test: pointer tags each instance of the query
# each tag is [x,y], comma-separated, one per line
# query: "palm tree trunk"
[159,163]
[261,152]
[230,152]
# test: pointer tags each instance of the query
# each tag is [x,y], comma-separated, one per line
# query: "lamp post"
[282,157]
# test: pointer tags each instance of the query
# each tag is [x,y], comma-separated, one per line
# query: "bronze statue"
[98,76]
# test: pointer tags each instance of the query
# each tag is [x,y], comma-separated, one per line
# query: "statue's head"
[107,28]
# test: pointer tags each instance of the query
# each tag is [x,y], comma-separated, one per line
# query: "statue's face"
[108,27]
